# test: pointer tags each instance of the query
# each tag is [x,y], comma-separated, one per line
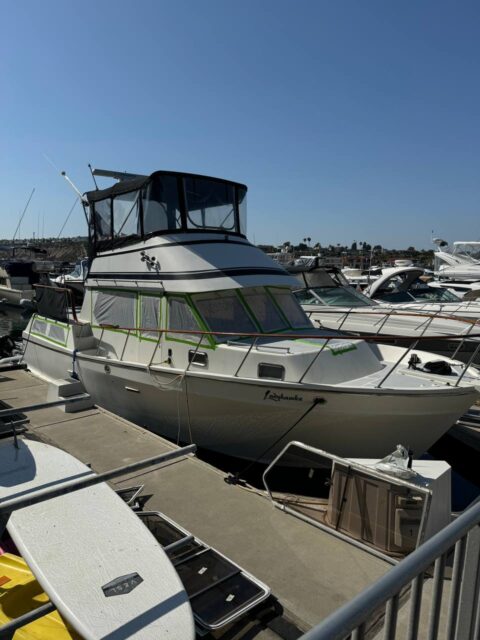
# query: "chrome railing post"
[125,345]
[194,353]
[462,341]
[157,344]
[465,368]
[100,341]
[253,344]
[327,340]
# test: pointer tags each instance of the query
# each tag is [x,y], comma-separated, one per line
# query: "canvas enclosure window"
[264,310]
[161,209]
[182,318]
[242,209]
[114,309]
[210,204]
[149,316]
[225,313]
[103,219]
[126,218]
[290,308]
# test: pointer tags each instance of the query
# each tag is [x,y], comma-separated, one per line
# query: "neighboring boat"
[332,304]
[459,262]
[17,280]
[106,574]
[75,280]
[189,330]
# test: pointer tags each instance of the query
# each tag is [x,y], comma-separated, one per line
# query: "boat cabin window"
[116,309]
[290,308]
[126,218]
[161,208]
[264,310]
[149,316]
[182,318]
[103,220]
[210,204]
[242,210]
[224,312]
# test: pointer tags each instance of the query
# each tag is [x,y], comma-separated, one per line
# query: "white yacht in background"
[191,331]
[404,308]
[76,279]
[459,262]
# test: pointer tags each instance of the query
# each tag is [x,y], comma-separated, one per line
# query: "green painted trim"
[342,350]
[334,351]
[58,323]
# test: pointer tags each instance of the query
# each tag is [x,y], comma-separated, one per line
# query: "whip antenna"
[93,176]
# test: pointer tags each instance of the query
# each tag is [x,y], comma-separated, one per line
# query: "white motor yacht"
[404,309]
[459,262]
[191,331]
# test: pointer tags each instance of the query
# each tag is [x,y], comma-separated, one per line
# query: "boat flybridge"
[403,307]
[191,331]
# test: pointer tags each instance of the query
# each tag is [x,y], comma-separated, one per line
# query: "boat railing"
[457,544]
[415,342]
[385,315]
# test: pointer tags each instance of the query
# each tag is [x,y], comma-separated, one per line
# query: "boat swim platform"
[310,572]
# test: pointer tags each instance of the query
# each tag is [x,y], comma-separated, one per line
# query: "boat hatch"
[219,590]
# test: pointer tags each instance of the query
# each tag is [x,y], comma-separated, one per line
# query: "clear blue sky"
[348,120]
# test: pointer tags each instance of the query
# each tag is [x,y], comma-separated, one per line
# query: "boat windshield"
[422,291]
[251,310]
[333,296]
[469,250]
[224,312]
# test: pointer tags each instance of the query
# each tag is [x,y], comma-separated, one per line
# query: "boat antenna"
[93,176]
[23,214]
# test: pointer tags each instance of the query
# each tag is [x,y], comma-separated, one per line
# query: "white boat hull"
[246,418]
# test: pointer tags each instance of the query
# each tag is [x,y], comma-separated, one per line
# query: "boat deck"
[310,572]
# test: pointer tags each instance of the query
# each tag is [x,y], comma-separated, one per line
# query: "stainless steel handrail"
[463,534]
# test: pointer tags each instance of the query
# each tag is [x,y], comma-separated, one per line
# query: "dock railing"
[462,620]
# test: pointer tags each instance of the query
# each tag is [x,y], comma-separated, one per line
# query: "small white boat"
[100,566]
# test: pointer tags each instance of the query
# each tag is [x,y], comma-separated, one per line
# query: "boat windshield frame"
[166,202]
